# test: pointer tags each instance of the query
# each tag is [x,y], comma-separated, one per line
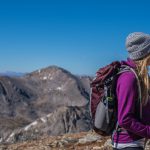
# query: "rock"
[89,138]
[96,148]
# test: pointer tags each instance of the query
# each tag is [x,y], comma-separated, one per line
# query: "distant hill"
[12,74]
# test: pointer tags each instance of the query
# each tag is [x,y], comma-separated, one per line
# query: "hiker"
[134,130]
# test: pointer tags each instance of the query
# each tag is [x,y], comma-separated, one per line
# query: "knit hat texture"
[138,45]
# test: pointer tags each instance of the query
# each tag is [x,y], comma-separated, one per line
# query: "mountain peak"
[48,72]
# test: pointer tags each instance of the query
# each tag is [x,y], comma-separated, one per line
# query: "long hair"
[142,71]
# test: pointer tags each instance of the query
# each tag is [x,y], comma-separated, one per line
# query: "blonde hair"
[142,72]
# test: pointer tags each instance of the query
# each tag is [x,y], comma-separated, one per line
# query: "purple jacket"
[127,92]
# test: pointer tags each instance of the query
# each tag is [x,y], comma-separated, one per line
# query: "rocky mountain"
[63,120]
[86,80]
[40,93]
[58,87]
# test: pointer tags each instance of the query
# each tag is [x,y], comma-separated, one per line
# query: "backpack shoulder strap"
[125,68]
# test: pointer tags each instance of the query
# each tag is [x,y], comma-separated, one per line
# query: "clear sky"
[78,35]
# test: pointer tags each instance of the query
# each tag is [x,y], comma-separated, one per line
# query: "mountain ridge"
[37,94]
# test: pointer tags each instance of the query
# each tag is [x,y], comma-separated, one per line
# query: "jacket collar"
[129,62]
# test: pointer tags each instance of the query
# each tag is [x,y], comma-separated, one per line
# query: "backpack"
[103,99]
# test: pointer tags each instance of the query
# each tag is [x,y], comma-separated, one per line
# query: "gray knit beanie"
[138,45]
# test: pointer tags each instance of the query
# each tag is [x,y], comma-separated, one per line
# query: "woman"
[134,130]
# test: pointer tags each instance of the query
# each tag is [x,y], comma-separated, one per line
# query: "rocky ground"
[78,141]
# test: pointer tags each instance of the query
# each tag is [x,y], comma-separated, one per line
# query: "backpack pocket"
[103,118]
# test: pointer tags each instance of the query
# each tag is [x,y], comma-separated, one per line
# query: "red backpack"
[103,99]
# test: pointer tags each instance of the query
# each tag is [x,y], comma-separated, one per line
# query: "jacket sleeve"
[127,96]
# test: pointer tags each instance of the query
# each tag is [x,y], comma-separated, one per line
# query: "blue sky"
[78,35]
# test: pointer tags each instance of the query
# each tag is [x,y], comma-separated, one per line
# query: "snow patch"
[34,123]
[43,119]
[49,115]
[45,78]
[59,88]
[10,136]
[39,71]
[30,125]
[50,77]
